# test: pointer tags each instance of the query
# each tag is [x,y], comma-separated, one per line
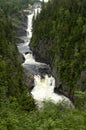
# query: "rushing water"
[43,87]
[44,0]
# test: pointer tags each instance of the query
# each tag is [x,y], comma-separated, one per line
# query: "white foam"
[29,26]
[44,0]
[44,89]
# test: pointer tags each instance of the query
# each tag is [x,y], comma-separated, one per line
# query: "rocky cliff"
[59,39]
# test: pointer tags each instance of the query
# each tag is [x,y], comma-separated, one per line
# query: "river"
[43,86]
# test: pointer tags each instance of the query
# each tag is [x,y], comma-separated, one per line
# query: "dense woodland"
[64,29]
[13,92]
[59,39]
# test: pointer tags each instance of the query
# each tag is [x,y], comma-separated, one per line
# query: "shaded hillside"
[59,39]
[12,79]
[17,110]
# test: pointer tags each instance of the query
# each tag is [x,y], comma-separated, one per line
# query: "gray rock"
[29,79]
[21,58]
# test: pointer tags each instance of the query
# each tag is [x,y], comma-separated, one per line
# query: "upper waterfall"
[44,0]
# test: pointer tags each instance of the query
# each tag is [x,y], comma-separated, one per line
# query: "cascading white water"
[43,87]
[29,26]
[44,0]
[36,11]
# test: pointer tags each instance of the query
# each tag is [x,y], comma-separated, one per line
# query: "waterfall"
[43,87]
[44,0]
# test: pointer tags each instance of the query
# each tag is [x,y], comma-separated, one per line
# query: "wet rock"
[21,35]
[21,30]
[38,69]
[44,71]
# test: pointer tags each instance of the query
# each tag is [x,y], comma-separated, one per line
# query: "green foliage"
[59,33]
[12,10]
[80,99]
[11,7]
[13,92]
[52,117]
[11,73]
[17,109]
[27,102]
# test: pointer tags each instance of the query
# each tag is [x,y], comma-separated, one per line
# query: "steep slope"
[12,79]
[59,39]
[16,109]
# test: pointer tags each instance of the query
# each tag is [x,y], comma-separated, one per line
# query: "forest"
[61,29]
[59,33]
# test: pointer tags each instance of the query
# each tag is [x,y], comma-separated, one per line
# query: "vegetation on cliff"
[59,38]
[13,92]
[12,11]
[17,110]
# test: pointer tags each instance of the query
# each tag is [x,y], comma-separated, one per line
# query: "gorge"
[42,65]
[44,83]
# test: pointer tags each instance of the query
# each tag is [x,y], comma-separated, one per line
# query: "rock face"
[41,53]
[21,30]
[21,57]
[29,79]
[60,88]
[21,35]
[56,42]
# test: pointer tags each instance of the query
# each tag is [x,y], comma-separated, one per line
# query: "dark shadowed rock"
[21,57]
[38,69]
[29,79]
